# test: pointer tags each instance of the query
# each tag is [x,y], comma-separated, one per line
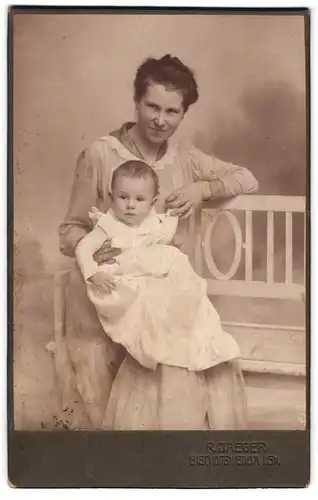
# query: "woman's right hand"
[106,253]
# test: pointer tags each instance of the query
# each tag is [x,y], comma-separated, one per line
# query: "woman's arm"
[220,179]
[91,173]
[84,195]
[212,179]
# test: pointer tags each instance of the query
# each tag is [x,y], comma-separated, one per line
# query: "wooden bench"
[273,353]
[258,356]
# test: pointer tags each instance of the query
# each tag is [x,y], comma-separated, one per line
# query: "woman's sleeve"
[221,179]
[84,195]
[86,249]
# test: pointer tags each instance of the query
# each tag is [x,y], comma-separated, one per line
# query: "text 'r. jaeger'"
[238,453]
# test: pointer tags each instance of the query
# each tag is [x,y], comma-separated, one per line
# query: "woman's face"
[159,113]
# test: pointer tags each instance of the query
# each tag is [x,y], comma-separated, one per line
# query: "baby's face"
[132,199]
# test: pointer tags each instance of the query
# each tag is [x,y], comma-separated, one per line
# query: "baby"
[150,301]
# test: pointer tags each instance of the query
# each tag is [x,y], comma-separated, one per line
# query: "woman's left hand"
[185,200]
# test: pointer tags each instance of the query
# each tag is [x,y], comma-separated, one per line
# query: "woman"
[163,91]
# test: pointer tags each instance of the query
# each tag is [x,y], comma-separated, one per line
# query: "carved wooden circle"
[238,246]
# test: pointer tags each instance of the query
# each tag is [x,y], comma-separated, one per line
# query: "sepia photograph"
[159,167]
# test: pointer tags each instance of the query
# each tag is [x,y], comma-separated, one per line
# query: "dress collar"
[109,222]
[124,137]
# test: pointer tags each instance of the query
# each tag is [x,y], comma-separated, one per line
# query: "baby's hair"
[136,168]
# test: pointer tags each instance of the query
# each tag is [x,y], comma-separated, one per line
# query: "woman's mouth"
[158,130]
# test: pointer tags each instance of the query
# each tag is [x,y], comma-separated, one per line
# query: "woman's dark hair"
[136,168]
[170,72]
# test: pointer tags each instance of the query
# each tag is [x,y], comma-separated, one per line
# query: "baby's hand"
[103,281]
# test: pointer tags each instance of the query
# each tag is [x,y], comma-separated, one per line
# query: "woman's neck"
[148,151]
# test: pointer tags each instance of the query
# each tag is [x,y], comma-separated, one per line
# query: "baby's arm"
[84,253]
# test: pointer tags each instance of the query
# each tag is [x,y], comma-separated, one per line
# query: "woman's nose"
[160,119]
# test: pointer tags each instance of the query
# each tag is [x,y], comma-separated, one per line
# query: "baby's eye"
[140,198]
[123,197]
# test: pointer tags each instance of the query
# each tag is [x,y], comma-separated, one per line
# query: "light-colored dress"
[112,390]
[159,311]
